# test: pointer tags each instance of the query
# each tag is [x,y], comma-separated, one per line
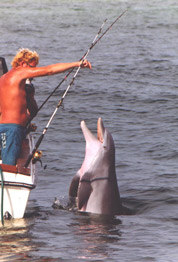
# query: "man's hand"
[85,63]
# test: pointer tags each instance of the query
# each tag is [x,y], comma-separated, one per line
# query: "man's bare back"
[13,99]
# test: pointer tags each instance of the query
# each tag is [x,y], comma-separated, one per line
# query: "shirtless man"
[13,99]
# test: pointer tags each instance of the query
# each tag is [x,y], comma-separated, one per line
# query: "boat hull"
[16,183]
[15,201]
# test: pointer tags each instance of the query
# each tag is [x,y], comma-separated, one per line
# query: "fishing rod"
[64,79]
[109,28]
[93,44]
[61,100]
[65,93]
[66,76]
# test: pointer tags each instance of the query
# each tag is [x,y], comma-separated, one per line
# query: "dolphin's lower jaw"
[95,184]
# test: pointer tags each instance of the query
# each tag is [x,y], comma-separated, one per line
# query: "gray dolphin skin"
[95,184]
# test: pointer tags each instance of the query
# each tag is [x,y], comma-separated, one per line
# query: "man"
[15,112]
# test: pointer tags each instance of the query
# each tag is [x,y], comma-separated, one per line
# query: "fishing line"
[95,41]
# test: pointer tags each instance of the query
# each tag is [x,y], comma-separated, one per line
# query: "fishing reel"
[37,158]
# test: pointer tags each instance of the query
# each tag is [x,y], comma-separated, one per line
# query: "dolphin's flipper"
[84,192]
[74,186]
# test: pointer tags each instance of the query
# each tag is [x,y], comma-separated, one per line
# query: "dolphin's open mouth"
[88,134]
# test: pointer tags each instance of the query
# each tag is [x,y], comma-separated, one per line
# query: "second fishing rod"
[70,71]
[95,41]
[61,100]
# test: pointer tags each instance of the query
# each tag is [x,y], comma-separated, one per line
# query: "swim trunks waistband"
[12,125]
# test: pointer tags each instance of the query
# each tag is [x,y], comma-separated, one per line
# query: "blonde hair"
[24,55]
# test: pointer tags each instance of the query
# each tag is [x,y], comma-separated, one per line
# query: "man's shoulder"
[12,77]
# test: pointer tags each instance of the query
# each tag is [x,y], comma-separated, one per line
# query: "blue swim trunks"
[11,137]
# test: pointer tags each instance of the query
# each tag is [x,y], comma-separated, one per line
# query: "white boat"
[17,183]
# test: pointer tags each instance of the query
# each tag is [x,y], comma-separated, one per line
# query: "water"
[133,87]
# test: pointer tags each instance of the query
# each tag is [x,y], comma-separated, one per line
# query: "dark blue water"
[133,87]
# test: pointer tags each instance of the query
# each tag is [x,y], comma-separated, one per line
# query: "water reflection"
[96,233]
[15,240]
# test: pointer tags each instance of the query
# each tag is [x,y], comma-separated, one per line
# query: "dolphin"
[95,184]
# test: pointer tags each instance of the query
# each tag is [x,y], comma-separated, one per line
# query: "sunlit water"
[133,87]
